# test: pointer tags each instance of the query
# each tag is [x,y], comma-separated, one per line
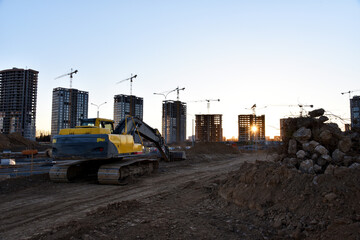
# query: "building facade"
[247,132]
[355,112]
[127,105]
[69,105]
[173,121]
[208,128]
[18,94]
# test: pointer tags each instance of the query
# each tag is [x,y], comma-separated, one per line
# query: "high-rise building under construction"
[174,121]
[18,93]
[127,105]
[208,128]
[251,128]
[69,105]
[355,112]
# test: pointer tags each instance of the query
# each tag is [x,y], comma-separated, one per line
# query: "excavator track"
[114,171]
[66,171]
[121,172]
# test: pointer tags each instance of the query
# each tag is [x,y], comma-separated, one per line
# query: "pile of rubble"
[314,146]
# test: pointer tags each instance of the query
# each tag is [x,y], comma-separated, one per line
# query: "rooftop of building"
[17,69]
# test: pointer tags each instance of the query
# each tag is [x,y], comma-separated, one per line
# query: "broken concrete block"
[307,166]
[321,150]
[316,113]
[345,144]
[325,136]
[330,169]
[310,146]
[292,146]
[323,119]
[301,154]
[338,156]
[302,134]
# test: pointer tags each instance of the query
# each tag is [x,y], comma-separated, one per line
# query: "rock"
[314,156]
[301,154]
[290,162]
[325,136]
[321,150]
[293,161]
[326,157]
[330,197]
[345,144]
[335,130]
[310,146]
[307,166]
[317,169]
[348,160]
[323,160]
[338,156]
[355,166]
[323,119]
[330,169]
[317,113]
[302,135]
[292,146]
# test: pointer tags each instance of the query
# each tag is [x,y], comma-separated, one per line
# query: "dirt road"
[176,202]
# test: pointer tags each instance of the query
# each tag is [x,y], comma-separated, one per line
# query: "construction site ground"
[183,200]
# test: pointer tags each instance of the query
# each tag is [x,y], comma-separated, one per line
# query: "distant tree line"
[43,136]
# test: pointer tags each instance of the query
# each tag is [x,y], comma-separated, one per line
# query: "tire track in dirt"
[36,210]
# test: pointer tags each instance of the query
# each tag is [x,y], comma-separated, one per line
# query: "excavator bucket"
[177,155]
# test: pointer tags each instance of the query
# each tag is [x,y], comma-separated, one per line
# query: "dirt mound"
[16,142]
[298,205]
[212,148]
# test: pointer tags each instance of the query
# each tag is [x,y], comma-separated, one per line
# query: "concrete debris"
[307,166]
[316,113]
[302,135]
[345,144]
[318,147]
[321,150]
[301,154]
[292,146]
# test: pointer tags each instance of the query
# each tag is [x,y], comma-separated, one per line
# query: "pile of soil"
[298,205]
[212,148]
[16,142]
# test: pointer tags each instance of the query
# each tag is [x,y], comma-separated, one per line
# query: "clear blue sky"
[266,52]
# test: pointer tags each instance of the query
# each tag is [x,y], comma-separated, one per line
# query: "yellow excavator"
[113,154]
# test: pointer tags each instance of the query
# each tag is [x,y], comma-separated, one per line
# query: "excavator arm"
[135,126]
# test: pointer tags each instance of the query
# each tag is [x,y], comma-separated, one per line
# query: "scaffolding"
[208,128]
[18,94]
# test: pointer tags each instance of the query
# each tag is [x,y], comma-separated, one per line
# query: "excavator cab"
[97,123]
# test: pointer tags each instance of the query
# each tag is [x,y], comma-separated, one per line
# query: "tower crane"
[349,92]
[208,102]
[127,79]
[166,93]
[253,109]
[71,76]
